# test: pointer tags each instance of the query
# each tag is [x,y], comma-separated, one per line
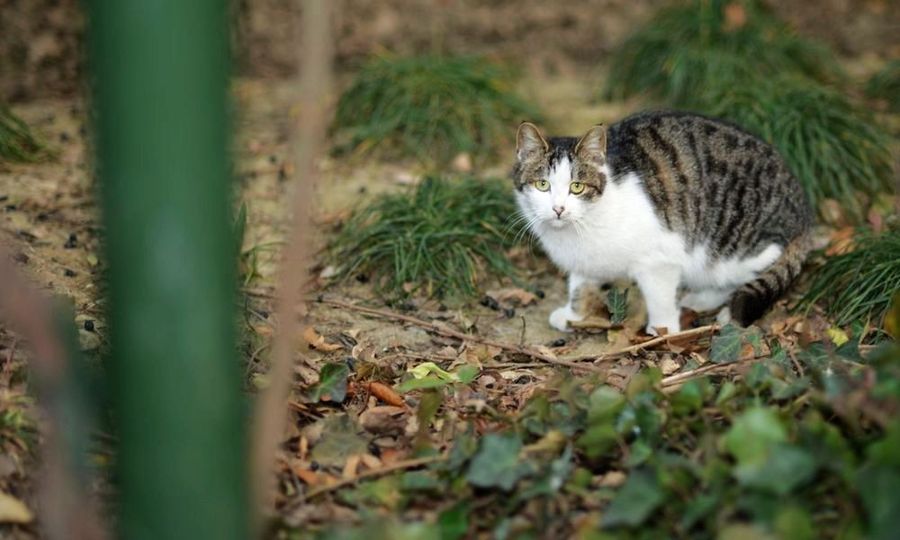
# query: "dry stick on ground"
[399,466]
[574,362]
[315,86]
[66,510]
[449,332]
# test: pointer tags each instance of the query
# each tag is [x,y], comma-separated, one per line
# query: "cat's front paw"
[560,318]
[671,327]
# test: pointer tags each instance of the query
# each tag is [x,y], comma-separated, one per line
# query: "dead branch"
[399,466]
[449,332]
[315,86]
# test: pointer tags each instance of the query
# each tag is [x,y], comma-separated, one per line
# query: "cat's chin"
[557,223]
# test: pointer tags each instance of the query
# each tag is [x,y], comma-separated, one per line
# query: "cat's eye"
[542,185]
[576,188]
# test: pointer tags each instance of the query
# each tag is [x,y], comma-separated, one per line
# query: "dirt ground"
[50,217]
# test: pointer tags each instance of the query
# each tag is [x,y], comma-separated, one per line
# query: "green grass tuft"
[833,147]
[17,142]
[441,239]
[886,85]
[686,49]
[859,285]
[736,60]
[430,108]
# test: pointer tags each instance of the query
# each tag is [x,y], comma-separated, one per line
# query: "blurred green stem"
[161,75]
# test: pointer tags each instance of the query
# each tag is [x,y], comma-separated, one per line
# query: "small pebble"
[89,325]
[558,343]
[490,302]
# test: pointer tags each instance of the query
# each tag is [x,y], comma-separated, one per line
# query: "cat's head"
[558,179]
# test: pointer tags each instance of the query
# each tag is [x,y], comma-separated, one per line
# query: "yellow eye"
[541,185]
[576,188]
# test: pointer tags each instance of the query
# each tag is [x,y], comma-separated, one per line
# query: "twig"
[575,362]
[709,329]
[449,332]
[696,373]
[315,85]
[399,466]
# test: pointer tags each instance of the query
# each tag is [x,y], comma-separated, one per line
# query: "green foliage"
[429,107]
[440,239]
[617,304]
[735,60]
[886,85]
[858,285]
[332,384]
[737,457]
[17,142]
[833,147]
[686,49]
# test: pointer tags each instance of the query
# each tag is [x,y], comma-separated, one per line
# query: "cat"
[673,201]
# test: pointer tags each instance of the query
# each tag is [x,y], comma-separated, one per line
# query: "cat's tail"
[751,301]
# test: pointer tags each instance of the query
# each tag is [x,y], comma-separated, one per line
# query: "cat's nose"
[559,210]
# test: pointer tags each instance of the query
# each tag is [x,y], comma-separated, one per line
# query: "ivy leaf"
[726,346]
[753,434]
[497,463]
[637,499]
[617,304]
[332,383]
[454,522]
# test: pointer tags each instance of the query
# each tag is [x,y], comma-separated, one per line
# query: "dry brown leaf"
[386,394]
[383,420]
[12,510]
[669,366]
[841,242]
[371,462]
[317,341]
[306,476]
[735,16]
[514,296]
[351,466]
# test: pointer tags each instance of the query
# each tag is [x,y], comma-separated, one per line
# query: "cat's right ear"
[529,141]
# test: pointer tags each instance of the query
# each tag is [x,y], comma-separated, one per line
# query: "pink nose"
[559,210]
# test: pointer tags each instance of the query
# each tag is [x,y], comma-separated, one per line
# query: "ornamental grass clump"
[885,85]
[686,49]
[859,285]
[441,239]
[834,147]
[17,142]
[736,60]
[430,108]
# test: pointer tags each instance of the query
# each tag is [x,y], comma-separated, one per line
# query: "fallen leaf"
[668,366]
[351,466]
[386,394]
[332,384]
[735,16]
[338,442]
[838,336]
[516,296]
[12,510]
[317,341]
[307,476]
[384,419]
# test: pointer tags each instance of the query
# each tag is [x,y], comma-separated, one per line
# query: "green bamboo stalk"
[161,72]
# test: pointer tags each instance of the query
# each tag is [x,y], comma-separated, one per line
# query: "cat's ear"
[529,141]
[592,147]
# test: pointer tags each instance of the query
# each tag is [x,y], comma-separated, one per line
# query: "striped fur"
[725,194]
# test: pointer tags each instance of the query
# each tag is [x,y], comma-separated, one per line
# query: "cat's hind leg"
[561,316]
[705,299]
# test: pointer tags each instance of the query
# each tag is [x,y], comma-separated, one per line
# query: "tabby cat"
[677,202]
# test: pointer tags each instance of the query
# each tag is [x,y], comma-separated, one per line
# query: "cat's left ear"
[592,147]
